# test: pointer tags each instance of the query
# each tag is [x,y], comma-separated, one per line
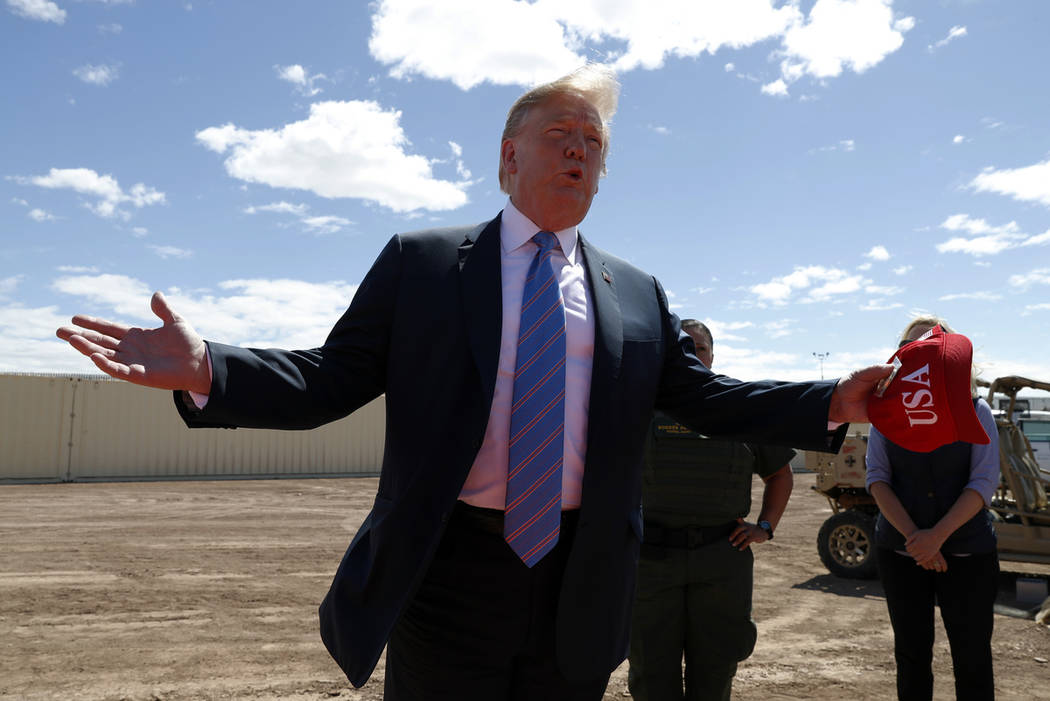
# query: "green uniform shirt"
[692,480]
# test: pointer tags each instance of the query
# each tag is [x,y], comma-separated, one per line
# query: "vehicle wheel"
[846,544]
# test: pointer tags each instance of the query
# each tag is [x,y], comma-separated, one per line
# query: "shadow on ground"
[1006,603]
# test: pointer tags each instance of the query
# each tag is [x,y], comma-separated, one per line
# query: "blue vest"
[928,484]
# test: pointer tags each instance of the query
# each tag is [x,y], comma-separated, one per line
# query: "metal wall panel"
[35,414]
[96,428]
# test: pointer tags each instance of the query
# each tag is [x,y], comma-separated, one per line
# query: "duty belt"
[690,537]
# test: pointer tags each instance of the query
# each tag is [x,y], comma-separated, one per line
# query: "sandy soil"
[208,590]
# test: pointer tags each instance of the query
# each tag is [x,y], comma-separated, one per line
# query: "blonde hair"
[931,320]
[925,320]
[594,82]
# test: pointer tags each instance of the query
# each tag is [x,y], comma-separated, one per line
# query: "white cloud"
[42,10]
[841,34]
[953,33]
[820,283]
[300,78]
[750,364]
[779,329]
[902,269]
[777,88]
[964,222]
[327,224]
[119,293]
[253,312]
[980,296]
[661,130]
[40,215]
[843,145]
[97,75]
[1028,184]
[166,252]
[958,139]
[8,284]
[343,149]
[314,224]
[281,207]
[104,187]
[139,231]
[457,157]
[878,253]
[884,290]
[19,201]
[880,305]
[77,269]
[987,240]
[726,330]
[28,343]
[864,266]
[464,41]
[112,28]
[1039,276]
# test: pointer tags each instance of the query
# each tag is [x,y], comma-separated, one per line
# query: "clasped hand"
[925,546]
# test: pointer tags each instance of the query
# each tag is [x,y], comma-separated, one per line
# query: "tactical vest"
[692,480]
[927,485]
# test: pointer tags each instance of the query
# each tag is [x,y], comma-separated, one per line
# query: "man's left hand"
[747,533]
[849,400]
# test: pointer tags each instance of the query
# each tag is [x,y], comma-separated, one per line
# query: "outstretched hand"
[172,356]
[849,401]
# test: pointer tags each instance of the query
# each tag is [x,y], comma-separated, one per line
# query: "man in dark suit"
[485,587]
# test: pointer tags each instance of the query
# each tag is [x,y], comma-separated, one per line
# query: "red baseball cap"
[926,402]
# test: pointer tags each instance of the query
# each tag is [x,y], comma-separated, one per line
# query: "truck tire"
[846,544]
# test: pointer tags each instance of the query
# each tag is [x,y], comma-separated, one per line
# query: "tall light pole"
[820,357]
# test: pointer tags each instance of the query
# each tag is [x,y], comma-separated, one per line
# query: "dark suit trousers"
[482,624]
[965,594]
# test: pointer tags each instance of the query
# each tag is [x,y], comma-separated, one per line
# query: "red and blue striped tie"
[537,421]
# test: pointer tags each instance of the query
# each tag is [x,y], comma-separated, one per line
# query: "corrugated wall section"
[35,426]
[84,427]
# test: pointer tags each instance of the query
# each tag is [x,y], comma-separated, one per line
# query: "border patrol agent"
[695,573]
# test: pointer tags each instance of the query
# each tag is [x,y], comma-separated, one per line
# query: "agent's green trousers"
[692,603]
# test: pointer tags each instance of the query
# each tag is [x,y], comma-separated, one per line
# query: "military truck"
[1019,508]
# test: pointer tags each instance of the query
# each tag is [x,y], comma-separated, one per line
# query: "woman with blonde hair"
[935,543]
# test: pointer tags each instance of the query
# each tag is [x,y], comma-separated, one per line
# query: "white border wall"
[82,427]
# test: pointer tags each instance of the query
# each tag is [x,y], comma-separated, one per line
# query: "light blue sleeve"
[984,459]
[878,463]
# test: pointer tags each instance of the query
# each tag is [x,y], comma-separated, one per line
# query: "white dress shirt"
[486,485]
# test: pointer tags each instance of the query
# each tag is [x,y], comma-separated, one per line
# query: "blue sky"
[804,176]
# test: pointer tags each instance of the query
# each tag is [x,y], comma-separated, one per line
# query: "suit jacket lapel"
[482,299]
[608,322]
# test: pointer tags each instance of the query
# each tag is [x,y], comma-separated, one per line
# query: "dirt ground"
[208,590]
